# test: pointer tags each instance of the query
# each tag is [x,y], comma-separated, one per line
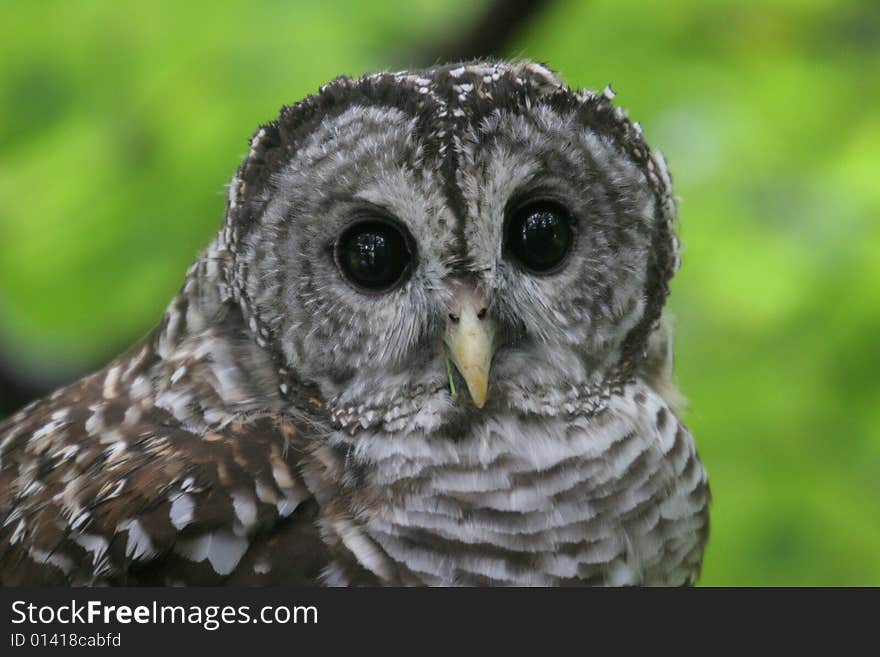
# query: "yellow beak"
[470,338]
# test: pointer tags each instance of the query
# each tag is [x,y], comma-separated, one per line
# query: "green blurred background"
[120,123]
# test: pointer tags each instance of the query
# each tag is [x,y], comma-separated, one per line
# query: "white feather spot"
[93,543]
[287,506]
[54,558]
[265,493]
[178,374]
[140,388]
[132,416]
[18,533]
[282,476]
[182,511]
[139,545]
[110,382]
[95,423]
[245,509]
[47,430]
[222,549]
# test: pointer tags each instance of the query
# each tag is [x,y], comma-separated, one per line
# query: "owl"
[427,347]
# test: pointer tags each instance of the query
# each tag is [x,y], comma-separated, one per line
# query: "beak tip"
[478,387]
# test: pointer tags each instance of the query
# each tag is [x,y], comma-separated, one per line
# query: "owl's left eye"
[373,255]
[539,235]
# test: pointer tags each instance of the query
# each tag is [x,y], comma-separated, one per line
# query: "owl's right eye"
[373,255]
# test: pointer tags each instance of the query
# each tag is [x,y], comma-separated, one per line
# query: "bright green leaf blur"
[120,123]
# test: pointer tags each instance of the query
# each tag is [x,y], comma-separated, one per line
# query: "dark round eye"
[539,235]
[373,255]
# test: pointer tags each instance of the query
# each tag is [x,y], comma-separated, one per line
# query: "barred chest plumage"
[617,498]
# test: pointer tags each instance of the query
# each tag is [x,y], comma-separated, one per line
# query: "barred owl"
[427,347]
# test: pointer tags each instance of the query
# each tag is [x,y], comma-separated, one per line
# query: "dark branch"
[491,35]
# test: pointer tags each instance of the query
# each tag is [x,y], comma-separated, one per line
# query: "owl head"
[477,224]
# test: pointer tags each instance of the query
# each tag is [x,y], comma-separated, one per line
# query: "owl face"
[483,222]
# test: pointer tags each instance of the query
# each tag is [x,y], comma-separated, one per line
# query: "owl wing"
[98,494]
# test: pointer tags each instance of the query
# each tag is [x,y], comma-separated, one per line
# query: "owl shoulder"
[95,488]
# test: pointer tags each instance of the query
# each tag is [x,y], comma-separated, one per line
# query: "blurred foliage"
[121,122]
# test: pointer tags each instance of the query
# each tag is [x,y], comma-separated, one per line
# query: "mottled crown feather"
[445,102]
